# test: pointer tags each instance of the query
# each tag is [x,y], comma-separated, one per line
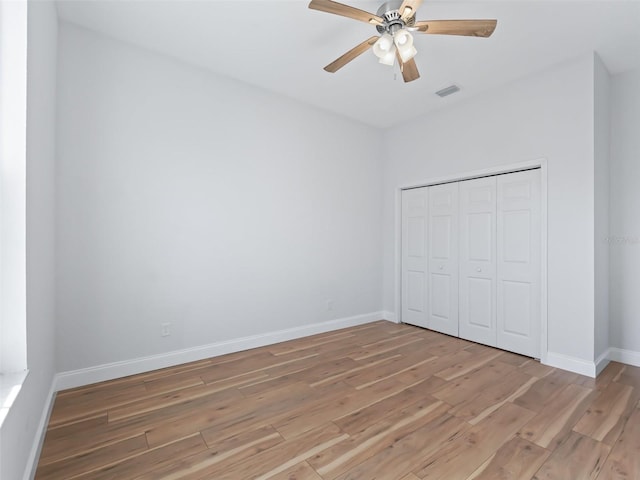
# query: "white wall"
[13,145]
[602,123]
[624,216]
[190,198]
[548,115]
[20,432]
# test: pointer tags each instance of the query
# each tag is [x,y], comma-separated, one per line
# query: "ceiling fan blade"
[356,51]
[470,28]
[408,8]
[409,69]
[336,8]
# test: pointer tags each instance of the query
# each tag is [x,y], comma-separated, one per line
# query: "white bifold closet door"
[442,260]
[478,260]
[471,260]
[519,260]
[414,256]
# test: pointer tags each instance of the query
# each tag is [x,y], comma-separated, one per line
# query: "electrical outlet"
[329,305]
[165,329]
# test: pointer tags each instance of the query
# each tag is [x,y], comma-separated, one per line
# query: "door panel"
[440,293]
[414,256]
[518,268]
[517,308]
[479,302]
[443,259]
[415,291]
[478,260]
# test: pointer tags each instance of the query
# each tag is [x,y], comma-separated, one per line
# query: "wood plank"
[544,390]
[607,414]
[359,419]
[246,414]
[98,436]
[359,447]
[623,462]
[71,466]
[156,458]
[629,375]
[156,402]
[578,457]
[468,385]
[466,366]
[550,427]
[492,396]
[475,446]
[301,471]
[404,455]
[277,459]
[301,420]
[610,372]
[194,466]
[517,459]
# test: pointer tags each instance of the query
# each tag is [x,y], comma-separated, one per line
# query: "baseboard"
[572,364]
[110,371]
[389,316]
[602,361]
[630,357]
[34,455]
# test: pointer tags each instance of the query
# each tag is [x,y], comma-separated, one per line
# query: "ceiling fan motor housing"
[389,11]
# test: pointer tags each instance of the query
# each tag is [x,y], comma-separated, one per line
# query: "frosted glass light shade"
[383,45]
[407,54]
[389,58]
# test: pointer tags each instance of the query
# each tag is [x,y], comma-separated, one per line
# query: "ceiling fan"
[395,20]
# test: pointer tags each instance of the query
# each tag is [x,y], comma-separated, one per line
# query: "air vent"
[448,90]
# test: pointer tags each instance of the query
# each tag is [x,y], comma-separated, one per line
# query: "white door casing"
[518,268]
[414,256]
[478,260]
[442,312]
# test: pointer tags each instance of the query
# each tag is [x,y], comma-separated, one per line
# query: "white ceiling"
[281,46]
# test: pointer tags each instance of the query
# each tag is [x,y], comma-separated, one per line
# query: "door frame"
[540,163]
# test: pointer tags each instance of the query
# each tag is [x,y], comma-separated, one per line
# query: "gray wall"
[624,213]
[189,198]
[537,117]
[601,149]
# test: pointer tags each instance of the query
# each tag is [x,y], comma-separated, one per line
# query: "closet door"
[519,262]
[478,260]
[443,259]
[414,256]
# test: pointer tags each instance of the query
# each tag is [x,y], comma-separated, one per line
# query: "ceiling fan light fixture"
[402,38]
[407,54]
[389,58]
[383,45]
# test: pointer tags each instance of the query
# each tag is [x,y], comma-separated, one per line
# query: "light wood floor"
[379,401]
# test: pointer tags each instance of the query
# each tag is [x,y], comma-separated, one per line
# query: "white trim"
[390,317]
[540,163]
[110,371]
[34,455]
[10,386]
[397,252]
[544,259]
[485,172]
[572,364]
[602,361]
[630,357]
